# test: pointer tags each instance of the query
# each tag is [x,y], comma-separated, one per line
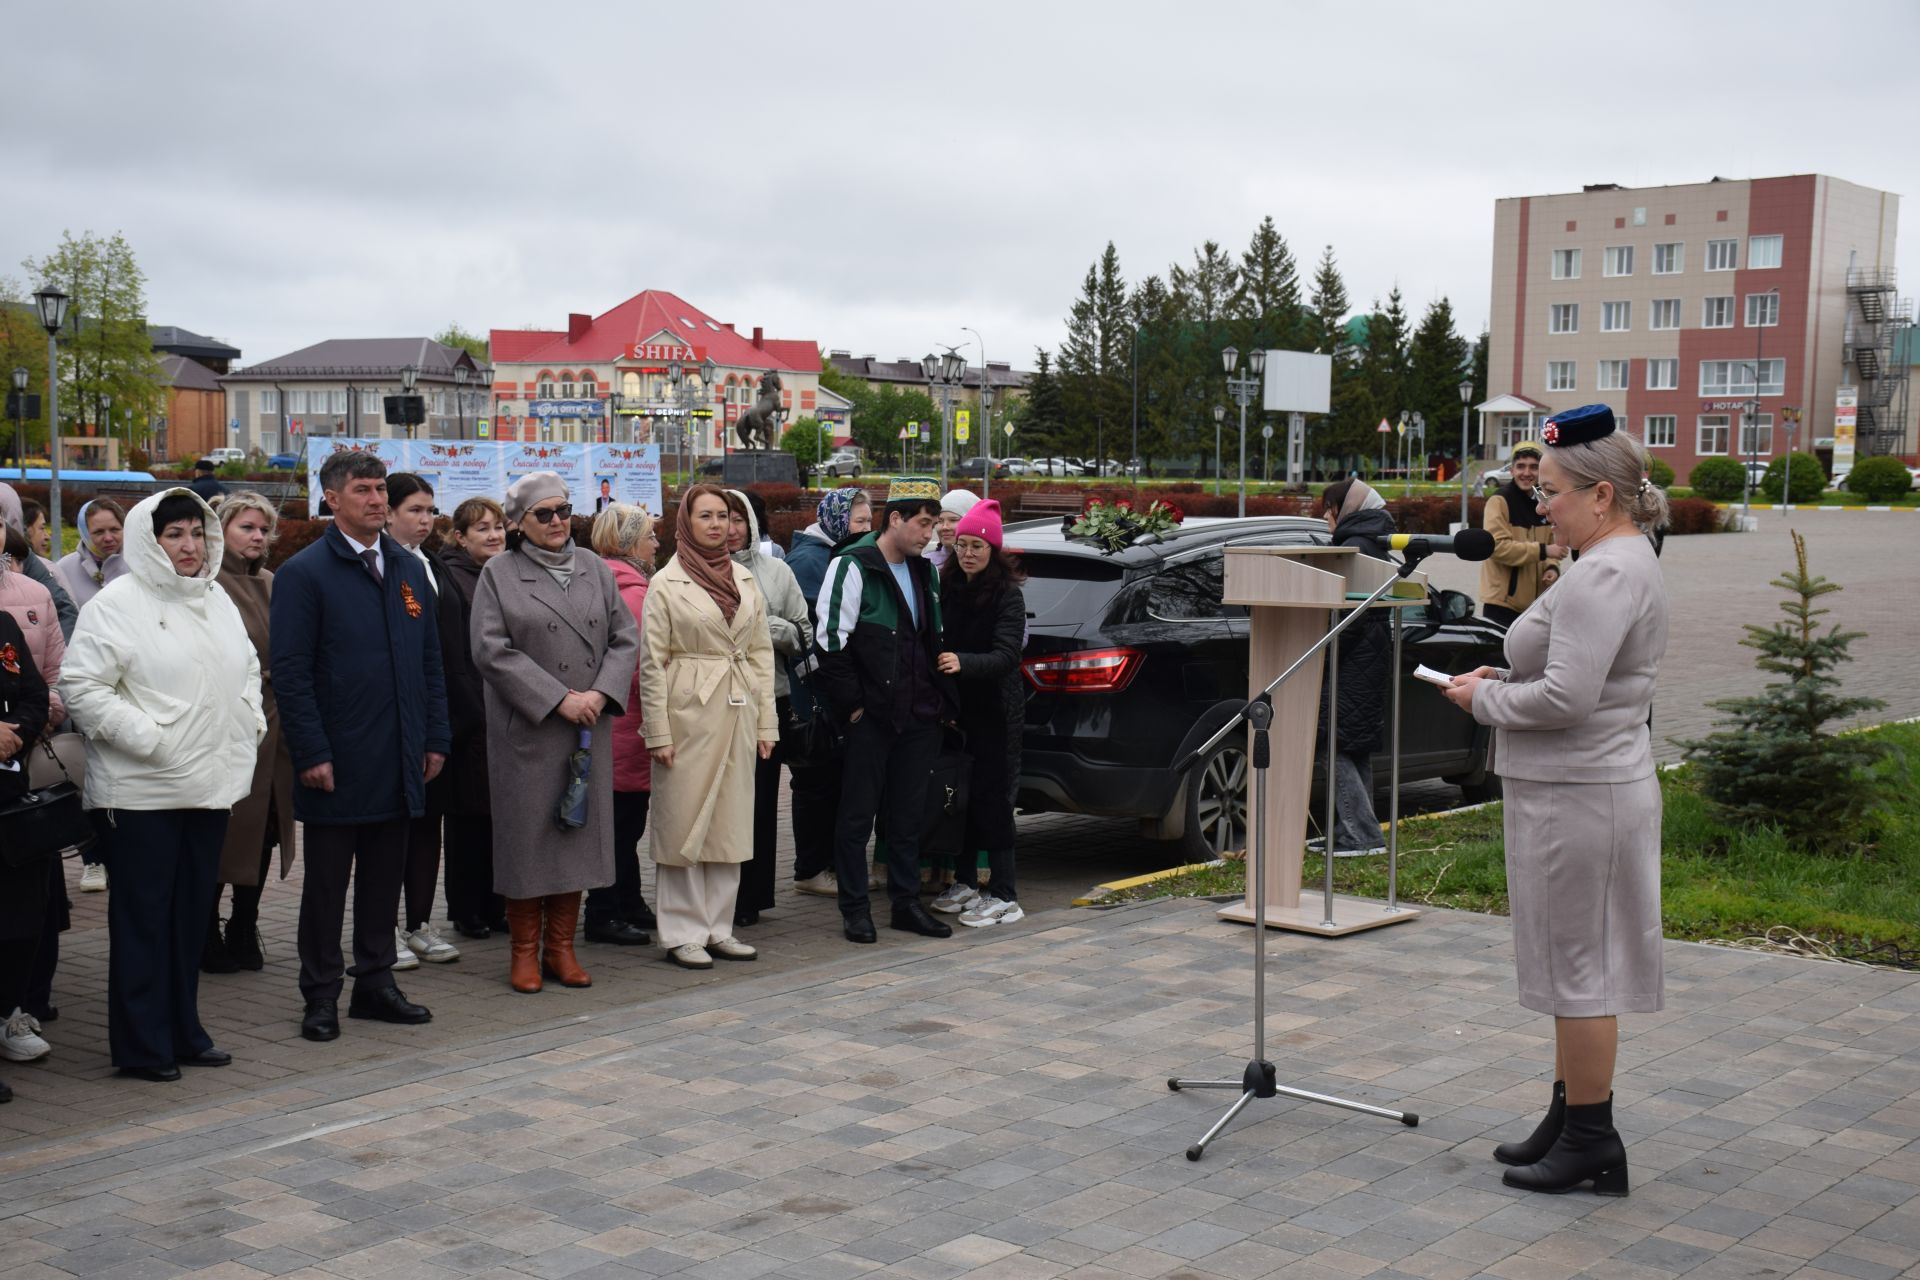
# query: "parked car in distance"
[844,462]
[975,467]
[220,457]
[1059,467]
[1018,466]
[1133,661]
[1498,478]
[284,462]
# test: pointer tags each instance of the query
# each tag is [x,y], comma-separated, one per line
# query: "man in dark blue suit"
[363,705]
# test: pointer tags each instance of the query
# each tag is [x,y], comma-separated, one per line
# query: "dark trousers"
[470,894]
[374,856]
[623,900]
[816,806]
[423,868]
[164,866]
[46,956]
[757,876]
[1500,613]
[885,777]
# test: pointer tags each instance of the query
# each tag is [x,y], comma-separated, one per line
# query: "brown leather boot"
[523,928]
[563,916]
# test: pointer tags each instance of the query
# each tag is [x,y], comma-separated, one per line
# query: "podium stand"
[1294,596]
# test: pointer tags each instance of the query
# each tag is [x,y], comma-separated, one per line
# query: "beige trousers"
[694,905]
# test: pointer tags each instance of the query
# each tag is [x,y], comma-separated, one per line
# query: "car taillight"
[1084,671]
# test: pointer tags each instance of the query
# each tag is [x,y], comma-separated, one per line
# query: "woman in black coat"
[985,616]
[479,534]
[23,887]
[1358,518]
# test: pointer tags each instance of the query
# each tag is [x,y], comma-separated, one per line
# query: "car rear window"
[1064,591]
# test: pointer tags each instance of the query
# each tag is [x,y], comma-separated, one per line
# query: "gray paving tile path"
[995,1106]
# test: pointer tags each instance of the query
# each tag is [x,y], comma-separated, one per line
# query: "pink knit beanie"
[982,522]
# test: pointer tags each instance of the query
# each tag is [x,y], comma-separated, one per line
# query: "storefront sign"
[564,409]
[664,351]
[1846,421]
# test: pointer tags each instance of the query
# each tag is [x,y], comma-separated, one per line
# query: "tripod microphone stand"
[1260,1079]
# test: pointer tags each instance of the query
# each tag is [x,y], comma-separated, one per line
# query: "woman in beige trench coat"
[264,819]
[706,694]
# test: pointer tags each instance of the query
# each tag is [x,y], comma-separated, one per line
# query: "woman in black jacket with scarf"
[1358,518]
[985,616]
[23,889]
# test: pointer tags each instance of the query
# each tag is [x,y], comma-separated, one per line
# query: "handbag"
[943,826]
[809,737]
[42,821]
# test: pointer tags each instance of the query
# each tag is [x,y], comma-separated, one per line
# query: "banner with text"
[595,474]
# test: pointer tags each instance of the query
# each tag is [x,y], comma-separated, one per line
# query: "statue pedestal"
[760,466]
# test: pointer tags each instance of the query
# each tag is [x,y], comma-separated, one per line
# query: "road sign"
[1008,429]
[962,425]
[1383,428]
[482,427]
[234,425]
[909,431]
[926,433]
[1266,432]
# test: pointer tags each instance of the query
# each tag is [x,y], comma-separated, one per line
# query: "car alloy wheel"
[1217,814]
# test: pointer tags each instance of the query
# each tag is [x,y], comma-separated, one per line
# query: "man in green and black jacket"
[878,633]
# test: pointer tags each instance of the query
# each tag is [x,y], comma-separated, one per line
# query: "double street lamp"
[52,306]
[686,397]
[1466,398]
[1219,417]
[460,398]
[946,372]
[1243,390]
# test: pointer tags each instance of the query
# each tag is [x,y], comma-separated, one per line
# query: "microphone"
[1468,544]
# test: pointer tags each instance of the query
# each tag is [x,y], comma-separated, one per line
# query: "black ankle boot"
[213,951]
[1587,1149]
[1541,1142]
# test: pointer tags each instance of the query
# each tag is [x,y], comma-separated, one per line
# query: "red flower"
[1124,505]
[1551,434]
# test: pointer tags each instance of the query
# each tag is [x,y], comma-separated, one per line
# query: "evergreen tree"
[1346,436]
[1328,320]
[1045,421]
[1437,359]
[1267,303]
[1775,761]
[1079,359]
[1157,315]
[1113,322]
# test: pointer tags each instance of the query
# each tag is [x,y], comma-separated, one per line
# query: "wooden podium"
[1294,596]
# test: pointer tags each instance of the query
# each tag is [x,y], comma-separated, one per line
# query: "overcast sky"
[876,176]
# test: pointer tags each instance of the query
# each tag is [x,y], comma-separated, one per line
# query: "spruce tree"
[1774,760]
[1045,417]
[1267,304]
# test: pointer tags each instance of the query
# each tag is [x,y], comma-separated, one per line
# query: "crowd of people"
[479,715]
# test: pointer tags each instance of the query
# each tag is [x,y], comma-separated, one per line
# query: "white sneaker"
[20,1041]
[956,898]
[732,949]
[427,943]
[987,910]
[403,957]
[1359,853]
[824,885]
[691,956]
[93,877]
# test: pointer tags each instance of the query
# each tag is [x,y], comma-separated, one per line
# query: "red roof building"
[606,377]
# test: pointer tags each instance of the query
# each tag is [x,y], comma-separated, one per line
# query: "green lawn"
[1717,882]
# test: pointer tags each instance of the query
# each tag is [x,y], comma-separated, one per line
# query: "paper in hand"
[1427,673]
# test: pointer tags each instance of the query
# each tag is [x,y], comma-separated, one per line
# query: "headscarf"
[835,511]
[1360,496]
[523,495]
[91,564]
[749,554]
[711,568]
[10,508]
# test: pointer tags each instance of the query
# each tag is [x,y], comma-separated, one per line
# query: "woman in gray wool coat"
[556,649]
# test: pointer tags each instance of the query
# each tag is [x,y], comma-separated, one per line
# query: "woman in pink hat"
[986,614]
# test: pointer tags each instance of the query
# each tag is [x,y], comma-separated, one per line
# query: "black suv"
[1132,661]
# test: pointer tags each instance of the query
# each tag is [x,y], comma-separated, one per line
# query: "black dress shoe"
[643,918]
[915,918]
[618,932]
[386,1004]
[322,1020]
[159,1075]
[472,927]
[860,928]
[741,919]
[211,1058]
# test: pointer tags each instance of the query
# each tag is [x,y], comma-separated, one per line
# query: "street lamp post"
[986,416]
[105,415]
[409,377]
[1466,398]
[460,397]
[19,419]
[1243,390]
[1219,417]
[946,372]
[52,305]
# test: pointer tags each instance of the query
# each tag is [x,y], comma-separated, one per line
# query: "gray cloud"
[877,176]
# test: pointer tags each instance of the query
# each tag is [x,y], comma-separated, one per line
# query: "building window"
[1763,252]
[1566,264]
[1712,439]
[1763,310]
[566,391]
[370,402]
[545,391]
[1723,255]
[1616,317]
[1756,435]
[1716,313]
[1560,375]
[1666,314]
[1563,317]
[270,401]
[1613,375]
[1662,430]
[1618,261]
[1719,378]
[630,385]
[1669,259]
[296,402]
[1663,375]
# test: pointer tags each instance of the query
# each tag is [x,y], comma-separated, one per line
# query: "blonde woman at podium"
[1573,746]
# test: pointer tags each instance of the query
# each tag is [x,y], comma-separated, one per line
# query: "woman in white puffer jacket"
[162,677]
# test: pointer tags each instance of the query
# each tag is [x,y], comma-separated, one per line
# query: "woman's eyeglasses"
[1542,498]
[547,515]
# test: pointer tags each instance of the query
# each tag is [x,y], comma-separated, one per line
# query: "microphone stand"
[1260,1079]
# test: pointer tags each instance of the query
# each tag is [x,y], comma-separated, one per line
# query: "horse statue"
[762,422]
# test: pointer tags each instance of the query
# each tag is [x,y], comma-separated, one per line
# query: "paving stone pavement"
[997,1108]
